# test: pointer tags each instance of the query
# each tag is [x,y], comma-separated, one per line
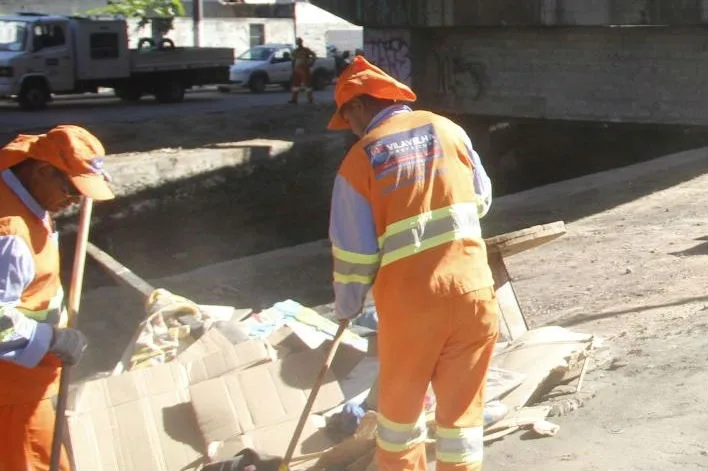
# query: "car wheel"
[258,83]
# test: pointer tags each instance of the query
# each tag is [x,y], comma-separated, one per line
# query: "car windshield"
[13,35]
[259,53]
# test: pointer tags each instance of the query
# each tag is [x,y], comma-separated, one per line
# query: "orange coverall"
[302,61]
[28,377]
[404,220]
[31,295]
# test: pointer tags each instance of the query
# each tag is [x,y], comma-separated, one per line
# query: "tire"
[145,43]
[258,83]
[170,92]
[166,43]
[129,93]
[320,80]
[34,95]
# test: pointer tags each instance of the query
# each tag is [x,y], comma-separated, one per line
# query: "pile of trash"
[202,394]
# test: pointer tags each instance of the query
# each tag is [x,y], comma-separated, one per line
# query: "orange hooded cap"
[363,78]
[71,149]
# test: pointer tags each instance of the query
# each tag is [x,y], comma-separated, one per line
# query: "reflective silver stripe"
[428,230]
[395,437]
[460,445]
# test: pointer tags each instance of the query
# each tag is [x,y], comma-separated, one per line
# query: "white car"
[272,64]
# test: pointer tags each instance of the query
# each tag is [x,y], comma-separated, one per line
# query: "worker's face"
[50,187]
[355,113]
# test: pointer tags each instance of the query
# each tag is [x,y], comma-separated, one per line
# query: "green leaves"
[145,10]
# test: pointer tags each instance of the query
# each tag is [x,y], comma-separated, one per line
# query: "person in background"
[39,175]
[405,221]
[303,58]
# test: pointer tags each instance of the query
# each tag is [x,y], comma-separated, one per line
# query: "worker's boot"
[310,98]
[293,98]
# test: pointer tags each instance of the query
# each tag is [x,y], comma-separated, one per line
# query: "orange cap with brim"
[77,153]
[363,78]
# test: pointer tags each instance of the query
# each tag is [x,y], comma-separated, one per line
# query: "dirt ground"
[632,269]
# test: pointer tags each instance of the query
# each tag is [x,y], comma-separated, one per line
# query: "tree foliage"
[144,10]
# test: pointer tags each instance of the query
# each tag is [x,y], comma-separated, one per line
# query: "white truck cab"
[41,55]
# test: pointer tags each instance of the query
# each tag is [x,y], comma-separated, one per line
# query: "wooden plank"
[119,271]
[512,321]
[519,241]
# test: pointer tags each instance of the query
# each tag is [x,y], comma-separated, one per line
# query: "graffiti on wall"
[390,50]
[463,77]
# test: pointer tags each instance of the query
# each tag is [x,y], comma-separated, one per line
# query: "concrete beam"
[427,13]
[632,75]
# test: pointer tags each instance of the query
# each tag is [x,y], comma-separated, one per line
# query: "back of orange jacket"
[405,214]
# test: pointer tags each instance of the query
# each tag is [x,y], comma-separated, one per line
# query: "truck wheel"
[34,95]
[170,92]
[320,80]
[258,83]
[146,43]
[166,43]
[129,93]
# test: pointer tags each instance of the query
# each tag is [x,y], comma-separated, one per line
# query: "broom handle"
[313,395]
[77,278]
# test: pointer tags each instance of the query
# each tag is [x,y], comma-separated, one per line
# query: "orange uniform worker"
[303,58]
[404,219]
[38,175]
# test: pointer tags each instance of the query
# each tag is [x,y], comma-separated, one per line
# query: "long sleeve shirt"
[353,233]
[23,340]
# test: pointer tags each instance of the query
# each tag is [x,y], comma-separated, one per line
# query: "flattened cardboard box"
[259,407]
[143,420]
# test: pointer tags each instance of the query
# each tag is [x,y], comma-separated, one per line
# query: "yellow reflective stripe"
[396,437]
[460,445]
[428,230]
[344,279]
[352,267]
[354,257]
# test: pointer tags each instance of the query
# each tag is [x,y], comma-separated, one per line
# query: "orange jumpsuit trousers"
[27,416]
[449,343]
[301,79]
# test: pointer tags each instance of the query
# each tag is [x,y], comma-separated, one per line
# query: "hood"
[7,56]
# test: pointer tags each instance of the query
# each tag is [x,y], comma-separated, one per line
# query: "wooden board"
[512,320]
[519,241]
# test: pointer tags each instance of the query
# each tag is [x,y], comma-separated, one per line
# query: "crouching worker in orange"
[38,175]
[405,214]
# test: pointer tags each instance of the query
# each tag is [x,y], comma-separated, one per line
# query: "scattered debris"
[208,383]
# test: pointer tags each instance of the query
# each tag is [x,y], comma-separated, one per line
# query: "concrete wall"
[608,74]
[390,49]
[407,13]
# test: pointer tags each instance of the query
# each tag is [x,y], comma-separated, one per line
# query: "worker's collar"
[27,199]
[386,113]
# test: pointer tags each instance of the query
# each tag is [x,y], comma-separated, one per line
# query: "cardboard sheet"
[143,419]
[260,406]
[537,353]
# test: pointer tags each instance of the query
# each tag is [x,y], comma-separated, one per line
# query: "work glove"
[68,345]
